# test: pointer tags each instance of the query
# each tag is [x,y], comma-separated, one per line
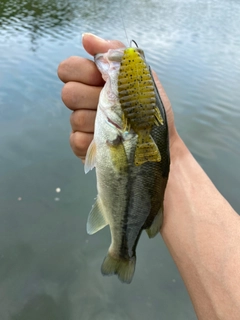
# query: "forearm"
[202,232]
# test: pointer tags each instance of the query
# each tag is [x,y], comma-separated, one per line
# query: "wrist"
[178,149]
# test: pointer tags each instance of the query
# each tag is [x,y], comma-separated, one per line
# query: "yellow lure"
[138,102]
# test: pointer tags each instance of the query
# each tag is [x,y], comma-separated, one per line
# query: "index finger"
[84,70]
[94,45]
[80,70]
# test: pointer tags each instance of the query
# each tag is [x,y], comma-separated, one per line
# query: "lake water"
[49,266]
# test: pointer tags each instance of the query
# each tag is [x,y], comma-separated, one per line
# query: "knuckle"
[73,119]
[78,144]
[67,94]
[60,69]
[78,119]
[64,68]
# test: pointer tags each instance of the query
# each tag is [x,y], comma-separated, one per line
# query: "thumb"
[93,44]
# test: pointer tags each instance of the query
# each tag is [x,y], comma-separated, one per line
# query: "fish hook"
[133,41]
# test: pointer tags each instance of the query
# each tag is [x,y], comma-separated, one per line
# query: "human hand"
[83,83]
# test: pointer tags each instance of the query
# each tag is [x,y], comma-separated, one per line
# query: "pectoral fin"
[90,157]
[96,220]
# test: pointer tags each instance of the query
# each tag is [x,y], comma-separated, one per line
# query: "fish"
[130,152]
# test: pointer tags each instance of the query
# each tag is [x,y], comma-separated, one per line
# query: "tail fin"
[146,150]
[122,267]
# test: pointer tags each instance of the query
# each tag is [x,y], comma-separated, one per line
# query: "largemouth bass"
[130,151]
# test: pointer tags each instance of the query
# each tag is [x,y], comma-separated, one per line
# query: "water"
[49,266]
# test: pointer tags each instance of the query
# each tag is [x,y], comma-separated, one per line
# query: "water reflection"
[35,19]
[43,306]
[38,15]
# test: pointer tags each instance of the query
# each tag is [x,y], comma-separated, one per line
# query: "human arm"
[202,233]
[200,228]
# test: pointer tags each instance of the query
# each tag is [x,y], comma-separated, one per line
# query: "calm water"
[49,266]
